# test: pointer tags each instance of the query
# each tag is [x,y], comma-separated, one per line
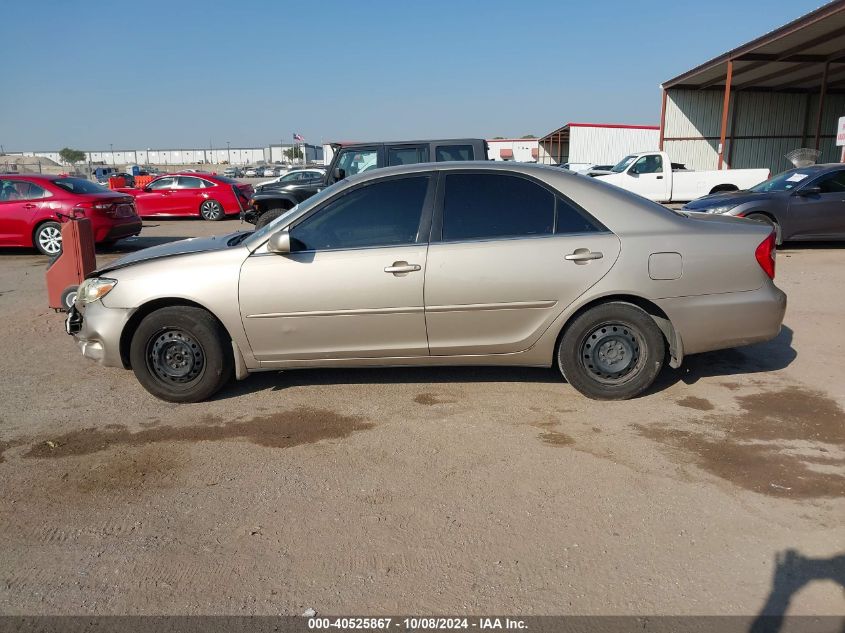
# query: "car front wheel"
[613,351]
[181,354]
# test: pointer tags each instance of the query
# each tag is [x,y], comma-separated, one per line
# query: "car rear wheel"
[181,354]
[212,210]
[268,216]
[69,297]
[48,238]
[765,219]
[613,351]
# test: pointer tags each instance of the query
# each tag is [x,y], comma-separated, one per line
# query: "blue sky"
[186,74]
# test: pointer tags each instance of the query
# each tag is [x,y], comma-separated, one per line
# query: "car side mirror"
[279,242]
[809,191]
[633,171]
[339,174]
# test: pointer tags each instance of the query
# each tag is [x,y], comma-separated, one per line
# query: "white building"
[522,150]
[596,143]
[276,153]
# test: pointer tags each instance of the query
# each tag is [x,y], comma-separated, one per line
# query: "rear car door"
[819,215]
[188,194]
[507,255]
[352,287]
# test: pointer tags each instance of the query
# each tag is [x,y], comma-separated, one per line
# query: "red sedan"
[211,197]
[30,206]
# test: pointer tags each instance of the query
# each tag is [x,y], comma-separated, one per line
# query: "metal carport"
[753,104]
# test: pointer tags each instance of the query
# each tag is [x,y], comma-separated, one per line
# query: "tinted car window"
[189,182]
[163,183]
[453,152]
[832,183]
[21,190]
[495,205]
[571,219]
[79,185]
[407,155]
[386,213]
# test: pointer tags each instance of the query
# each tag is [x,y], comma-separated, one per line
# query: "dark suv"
[353,158]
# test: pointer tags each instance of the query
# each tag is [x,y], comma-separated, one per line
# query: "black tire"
[268,216]
[69,297]
[765,219]
[613,351]
[212,210]
[48,238]
[181,354]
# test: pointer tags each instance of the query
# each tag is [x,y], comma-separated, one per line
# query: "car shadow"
[758,358]
[763,357]
[793,572]
[281,380]
[788,247]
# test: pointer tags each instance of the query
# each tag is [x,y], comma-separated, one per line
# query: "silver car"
[439,264]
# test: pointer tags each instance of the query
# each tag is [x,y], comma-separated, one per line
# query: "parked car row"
[32,208]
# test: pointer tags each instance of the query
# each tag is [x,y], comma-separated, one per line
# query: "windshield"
[622,165]
[79,185]
[786,181]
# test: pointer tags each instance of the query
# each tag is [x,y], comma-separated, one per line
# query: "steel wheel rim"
[70,299]
[175,357]
[210,210]
[50,240]
[612,353]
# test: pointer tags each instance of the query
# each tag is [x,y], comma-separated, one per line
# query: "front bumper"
[97,330]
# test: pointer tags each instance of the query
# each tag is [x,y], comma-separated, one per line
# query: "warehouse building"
[583,144]
[753,105]
[522,150]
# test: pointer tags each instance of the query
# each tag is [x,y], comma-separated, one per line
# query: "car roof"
[40,176]
[345,144]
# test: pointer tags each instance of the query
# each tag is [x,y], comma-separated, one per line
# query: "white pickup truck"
[654,176]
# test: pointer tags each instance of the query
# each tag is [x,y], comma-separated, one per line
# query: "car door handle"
[583,255]
[29,206]
[402,268]
[660,177]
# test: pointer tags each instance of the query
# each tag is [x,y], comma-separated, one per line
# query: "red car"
[208,196]
[30,206]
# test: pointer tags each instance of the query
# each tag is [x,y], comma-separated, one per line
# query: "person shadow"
[794,571]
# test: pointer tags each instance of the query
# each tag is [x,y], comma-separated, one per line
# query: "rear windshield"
[79,185]
[228,181]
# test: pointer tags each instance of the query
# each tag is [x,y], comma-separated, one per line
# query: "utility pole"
[111,150]
[228,153]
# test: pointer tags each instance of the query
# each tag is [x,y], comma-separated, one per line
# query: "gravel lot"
[472,490]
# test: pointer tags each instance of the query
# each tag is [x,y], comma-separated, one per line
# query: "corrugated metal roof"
[791,57]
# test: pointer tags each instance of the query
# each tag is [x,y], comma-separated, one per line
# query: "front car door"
[646,177]
[498,272]
[819,215]
[352,286]
[20,201]
[155,197]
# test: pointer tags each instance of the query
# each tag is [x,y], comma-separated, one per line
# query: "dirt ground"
[471,490]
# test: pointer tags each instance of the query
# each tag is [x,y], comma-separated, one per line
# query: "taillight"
[765,255]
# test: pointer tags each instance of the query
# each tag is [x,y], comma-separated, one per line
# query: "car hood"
[171,249]
[728,198]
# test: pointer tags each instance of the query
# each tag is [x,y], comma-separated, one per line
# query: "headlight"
[95,288]
[722,209]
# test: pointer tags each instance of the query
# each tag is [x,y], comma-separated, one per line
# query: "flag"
[298,137]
